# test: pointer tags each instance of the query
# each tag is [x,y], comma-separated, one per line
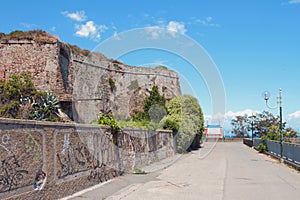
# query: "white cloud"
[77,16]
[231,114]
[225,119]
[294,2]
[173,28]
[206,22]
[154,31]
[248,112]
[90,30]
[293,120]
[294,115]
[176,27]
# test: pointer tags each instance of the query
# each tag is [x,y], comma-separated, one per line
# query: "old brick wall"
[73,156]
[41,60]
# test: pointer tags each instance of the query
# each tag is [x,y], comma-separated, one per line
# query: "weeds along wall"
[85,83]
[73,157]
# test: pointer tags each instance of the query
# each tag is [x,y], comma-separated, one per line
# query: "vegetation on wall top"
[161,67]
[38,36]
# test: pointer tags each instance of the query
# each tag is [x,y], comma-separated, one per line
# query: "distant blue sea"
[227,135]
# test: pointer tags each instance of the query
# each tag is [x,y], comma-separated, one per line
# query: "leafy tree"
[154,107]
[185,115]
[264,124]
[274,134]
[264,121]
[240,126]
[154,99]
[290,133]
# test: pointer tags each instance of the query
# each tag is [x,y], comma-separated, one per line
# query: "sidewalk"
[126,182]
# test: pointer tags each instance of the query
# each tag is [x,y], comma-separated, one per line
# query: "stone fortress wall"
[77,156]
[81,82]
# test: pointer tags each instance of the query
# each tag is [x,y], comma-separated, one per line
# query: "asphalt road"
[222,171]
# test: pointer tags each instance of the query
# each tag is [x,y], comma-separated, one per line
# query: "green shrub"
[109,120]
[20,99]
[116,61]
[161,67]
[169,124]
[262,148]
[10,110]
[139,171]
[140,116]
[112,84]
[17,86]
[78,51]
[133,124]
[187,113]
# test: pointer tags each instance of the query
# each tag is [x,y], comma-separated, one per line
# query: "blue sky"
[254,44]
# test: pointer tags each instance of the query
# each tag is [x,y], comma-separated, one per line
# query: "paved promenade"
[222,171]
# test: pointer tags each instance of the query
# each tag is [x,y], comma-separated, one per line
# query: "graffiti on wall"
[67,146]
[33,148]
[20,157]
[75,158]
[11,173]
[4,142]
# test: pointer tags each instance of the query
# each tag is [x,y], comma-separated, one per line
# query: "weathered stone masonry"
[74,157]
[82,82]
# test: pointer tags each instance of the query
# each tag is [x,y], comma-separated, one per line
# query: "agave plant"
[45,107]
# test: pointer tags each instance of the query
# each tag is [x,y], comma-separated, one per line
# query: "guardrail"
[290,151]
[248,142]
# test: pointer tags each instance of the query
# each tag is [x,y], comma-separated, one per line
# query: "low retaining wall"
[73,157]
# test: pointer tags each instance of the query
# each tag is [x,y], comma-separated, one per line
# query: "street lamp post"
[279,104]
[252,124]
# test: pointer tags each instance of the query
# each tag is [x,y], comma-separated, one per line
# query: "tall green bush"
[185,112]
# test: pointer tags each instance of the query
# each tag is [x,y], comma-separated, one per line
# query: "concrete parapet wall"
[73,156]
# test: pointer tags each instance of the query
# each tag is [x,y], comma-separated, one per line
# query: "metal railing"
[291,151]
